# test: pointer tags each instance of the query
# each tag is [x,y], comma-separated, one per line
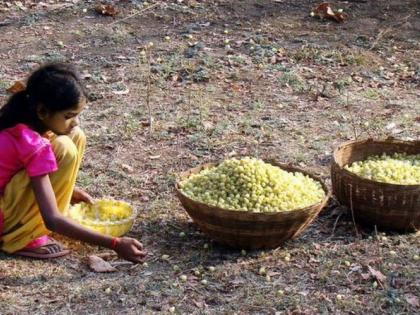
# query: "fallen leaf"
[106,9]
[16,87]
[122,92]
[97,264]
[412,299]
[365,276]
[377,274]
[127,168]
[324,11]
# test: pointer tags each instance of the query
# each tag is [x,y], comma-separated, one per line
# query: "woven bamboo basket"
[251,230]
[388,206]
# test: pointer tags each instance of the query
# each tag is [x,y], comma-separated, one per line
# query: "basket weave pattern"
[243,229]
[388,206]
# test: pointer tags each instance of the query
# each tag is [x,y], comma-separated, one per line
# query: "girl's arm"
[127,248]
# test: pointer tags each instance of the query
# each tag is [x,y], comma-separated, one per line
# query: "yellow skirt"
[22,218]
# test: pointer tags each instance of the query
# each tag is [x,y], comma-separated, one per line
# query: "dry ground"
[290,87]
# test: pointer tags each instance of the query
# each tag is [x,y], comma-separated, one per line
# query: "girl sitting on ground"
[41,150]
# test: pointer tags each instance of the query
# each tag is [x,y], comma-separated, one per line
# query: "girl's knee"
[65,150]
[78,136]
[69,148]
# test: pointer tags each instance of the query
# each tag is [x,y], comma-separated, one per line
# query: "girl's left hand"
[79,195]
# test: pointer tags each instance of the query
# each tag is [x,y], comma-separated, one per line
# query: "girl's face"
[63,122]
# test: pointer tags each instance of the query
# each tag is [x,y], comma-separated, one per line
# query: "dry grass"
[282,90]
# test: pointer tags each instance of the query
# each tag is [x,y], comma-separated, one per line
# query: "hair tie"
[17,87]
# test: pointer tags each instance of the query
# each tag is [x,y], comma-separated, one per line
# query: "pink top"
[24,148]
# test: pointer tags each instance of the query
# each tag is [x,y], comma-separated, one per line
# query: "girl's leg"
[22,219]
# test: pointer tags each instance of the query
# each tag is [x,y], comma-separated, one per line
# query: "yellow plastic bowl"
[106,216]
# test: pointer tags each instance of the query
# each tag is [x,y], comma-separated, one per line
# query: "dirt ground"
[222,79]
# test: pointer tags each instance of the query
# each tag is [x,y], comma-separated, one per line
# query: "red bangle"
[114,242]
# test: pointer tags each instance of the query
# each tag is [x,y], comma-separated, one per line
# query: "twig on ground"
[149,88]
[352,121]
[381,34]
[134,14]
[335,224]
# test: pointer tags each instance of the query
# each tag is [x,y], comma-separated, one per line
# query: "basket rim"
[129,219]
[366,141]
[273,162]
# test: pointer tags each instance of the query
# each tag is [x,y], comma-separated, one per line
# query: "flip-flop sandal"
[51,249]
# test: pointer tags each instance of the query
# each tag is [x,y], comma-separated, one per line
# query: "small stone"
[339,297]
[206,246]
[181,234]
[393,253]
[211,269]
[145,264]
[280,292]
[262,271]
[243,252]
[347,263]
[127,168]
[183,278]
[108,290]
[416,257]
[171,309]
[176,268]
[165,257]
[204,282]
[197,273]
[375,284]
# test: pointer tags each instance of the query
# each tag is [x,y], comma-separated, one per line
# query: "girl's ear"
[41,112]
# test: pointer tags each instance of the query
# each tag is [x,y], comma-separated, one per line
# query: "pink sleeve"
[41,162]
[34,151]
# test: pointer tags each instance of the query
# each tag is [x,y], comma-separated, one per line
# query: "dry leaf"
[377,274]
[97,264]
[324,11]
[106,9]
[412,299]
[122,92]
[18,86]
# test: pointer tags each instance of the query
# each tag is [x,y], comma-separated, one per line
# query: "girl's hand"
[79,195]
[130,249]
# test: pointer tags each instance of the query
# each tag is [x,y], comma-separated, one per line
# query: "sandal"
[50,249]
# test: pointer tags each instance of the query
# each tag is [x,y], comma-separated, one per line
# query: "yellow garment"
[22,217]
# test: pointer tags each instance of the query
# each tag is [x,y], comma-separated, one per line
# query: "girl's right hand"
[130,249]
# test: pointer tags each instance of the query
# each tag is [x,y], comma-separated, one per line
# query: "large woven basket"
[242,229]
[388,206]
